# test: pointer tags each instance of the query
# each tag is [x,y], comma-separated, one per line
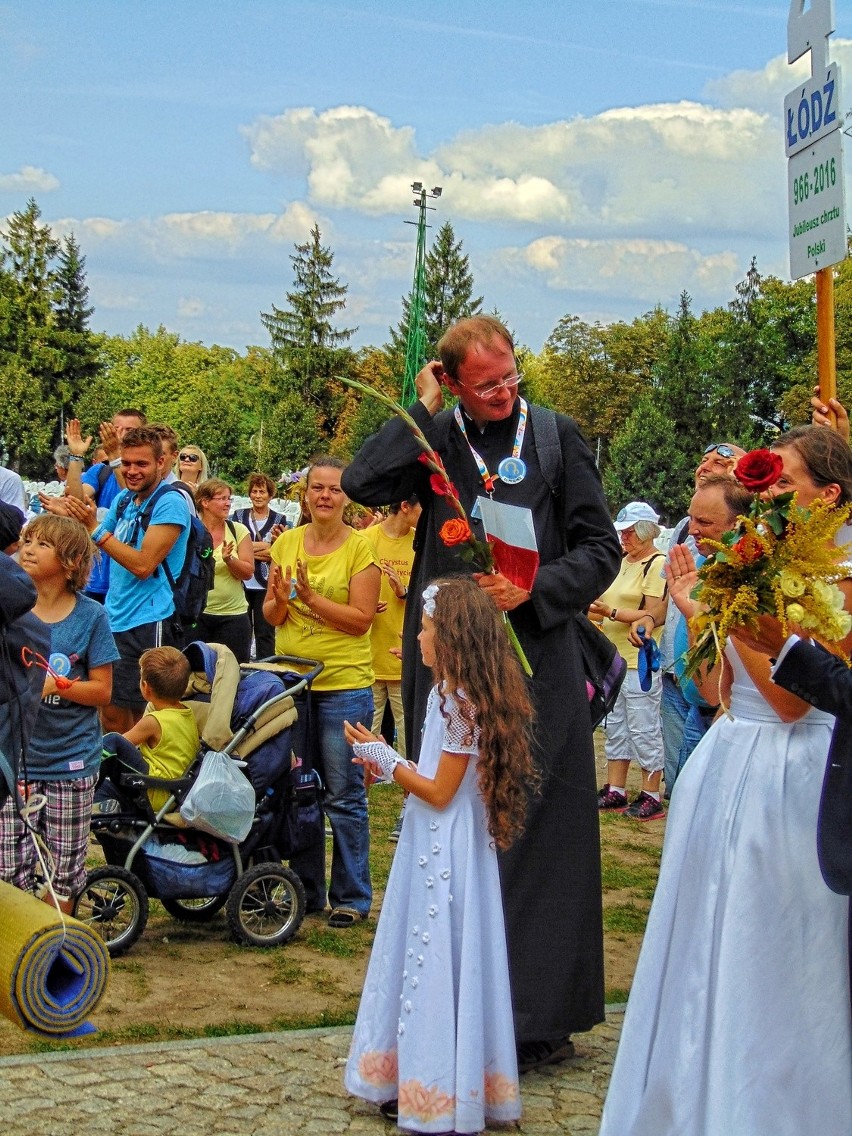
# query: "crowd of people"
[489,951]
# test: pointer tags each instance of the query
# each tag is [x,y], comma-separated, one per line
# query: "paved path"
[266,1084]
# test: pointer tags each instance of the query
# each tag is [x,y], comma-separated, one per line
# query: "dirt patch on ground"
[186,980]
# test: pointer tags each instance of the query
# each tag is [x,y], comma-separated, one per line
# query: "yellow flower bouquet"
[779,560]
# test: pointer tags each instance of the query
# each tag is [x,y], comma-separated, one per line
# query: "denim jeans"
[673,712]
[344,801]
[698,722]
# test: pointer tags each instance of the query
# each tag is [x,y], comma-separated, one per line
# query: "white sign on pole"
[816,206]
[813,143]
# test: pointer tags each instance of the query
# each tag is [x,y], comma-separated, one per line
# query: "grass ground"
[190,980]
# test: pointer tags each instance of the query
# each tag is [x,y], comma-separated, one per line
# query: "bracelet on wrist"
[76,458]
[612,615]
[115,463]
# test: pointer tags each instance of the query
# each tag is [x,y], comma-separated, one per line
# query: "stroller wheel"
[115,905]
[195,910]
[266,905]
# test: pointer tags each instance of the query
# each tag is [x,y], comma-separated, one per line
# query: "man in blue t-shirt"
[102,482]
[139,603]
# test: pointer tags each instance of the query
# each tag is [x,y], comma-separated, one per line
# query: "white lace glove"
[381,754]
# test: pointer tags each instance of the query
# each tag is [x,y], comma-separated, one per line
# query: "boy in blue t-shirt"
[60,767]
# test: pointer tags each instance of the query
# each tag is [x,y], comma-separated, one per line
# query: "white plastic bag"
[221,801]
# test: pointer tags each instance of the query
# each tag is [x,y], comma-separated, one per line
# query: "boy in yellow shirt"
[163,743]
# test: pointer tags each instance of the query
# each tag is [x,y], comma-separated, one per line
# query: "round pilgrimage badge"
[512,470]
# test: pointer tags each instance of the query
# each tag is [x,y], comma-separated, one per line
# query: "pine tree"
[308,348]
[448,293]
[31,359]
[79,345]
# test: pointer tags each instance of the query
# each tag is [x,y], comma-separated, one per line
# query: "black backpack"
[195,578]
[604,667]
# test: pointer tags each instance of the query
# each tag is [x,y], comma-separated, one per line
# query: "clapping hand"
[77,444]
[682,576]
[280,584]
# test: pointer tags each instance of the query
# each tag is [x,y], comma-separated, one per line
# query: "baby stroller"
[248,714]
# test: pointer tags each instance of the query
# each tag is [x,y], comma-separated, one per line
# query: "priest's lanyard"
[511,470]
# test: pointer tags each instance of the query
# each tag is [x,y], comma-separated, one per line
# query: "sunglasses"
[192,457]
[721,449]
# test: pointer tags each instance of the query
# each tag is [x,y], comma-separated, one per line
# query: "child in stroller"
[248,714]
[163,743]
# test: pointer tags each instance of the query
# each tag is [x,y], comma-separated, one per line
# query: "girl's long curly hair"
[473,655]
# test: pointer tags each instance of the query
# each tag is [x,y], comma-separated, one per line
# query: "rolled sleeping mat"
[51,978]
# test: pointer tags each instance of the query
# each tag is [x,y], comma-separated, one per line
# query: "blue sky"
[595,158]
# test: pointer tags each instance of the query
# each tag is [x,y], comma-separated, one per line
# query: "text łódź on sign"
[813,142]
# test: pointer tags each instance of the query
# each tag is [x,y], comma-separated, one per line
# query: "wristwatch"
[613,613]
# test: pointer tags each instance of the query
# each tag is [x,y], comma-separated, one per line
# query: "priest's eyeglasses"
[494,388]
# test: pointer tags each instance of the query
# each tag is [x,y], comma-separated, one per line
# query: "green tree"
[448,295]
[647,462]
[31,360]
[79,346]
[308,346]
[596,372]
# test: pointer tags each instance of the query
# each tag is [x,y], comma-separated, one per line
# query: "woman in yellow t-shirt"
[321,598]
[633,730]
[225,618]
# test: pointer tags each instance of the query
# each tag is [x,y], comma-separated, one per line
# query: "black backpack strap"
[143,520]
[546,437]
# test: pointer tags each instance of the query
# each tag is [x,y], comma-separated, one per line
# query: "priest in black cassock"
[494,445]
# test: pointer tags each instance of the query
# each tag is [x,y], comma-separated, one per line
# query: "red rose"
[454,531]
[758,470]
[748,548]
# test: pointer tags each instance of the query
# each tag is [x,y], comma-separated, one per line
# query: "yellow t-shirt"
[227,596]
[174,752]
[395,552]
[626,590]
[348,658]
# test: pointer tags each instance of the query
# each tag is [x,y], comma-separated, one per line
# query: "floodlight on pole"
[415,342]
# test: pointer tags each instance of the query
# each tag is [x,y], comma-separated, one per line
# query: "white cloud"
[764,90]
[205,235]
[642,270]
[681,166]
[29,179]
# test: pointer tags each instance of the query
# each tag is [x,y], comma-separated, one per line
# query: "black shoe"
[645,807]
[536,1054]
[390,1110]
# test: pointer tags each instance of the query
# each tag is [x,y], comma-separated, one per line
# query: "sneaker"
[396,831]
[611,801]
[645,807]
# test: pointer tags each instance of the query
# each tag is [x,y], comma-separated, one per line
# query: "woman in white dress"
[739,1019]
[434,1041]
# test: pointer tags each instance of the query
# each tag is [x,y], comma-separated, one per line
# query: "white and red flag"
[510,532]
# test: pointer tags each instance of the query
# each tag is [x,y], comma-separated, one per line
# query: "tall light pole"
[415,342]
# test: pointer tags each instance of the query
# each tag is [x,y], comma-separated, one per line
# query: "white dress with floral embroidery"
[434,1026]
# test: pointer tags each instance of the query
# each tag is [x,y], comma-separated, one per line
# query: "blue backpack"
[195,579]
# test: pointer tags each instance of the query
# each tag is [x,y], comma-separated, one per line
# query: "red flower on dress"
[758,470]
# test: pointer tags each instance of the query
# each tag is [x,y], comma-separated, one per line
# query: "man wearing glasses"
[493,444]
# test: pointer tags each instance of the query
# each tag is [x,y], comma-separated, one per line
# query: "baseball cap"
[635,511]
